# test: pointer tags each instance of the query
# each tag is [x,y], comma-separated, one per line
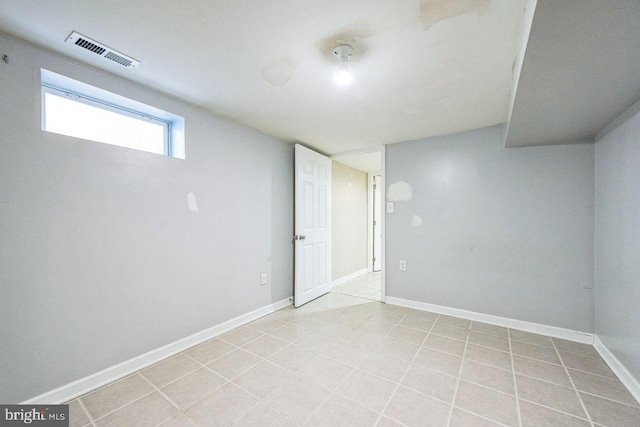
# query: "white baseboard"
[87,384]
[632,384]
[348,277]
[536,328]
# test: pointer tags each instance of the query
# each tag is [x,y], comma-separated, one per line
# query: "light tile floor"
[365,286]
[345,361]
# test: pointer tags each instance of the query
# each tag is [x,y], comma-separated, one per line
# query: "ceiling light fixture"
[343,75]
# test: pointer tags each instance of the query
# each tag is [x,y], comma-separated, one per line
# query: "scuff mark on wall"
[192,202]
[434,11]
[278,72]
[416,221]
[400,192]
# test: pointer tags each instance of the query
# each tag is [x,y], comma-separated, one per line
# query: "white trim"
[370,208]
[358,151]
[632,384]
[348,277]
[536,328]
[527,23]
[383,217]
[92,382]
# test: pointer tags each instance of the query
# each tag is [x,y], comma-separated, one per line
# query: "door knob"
[299,237]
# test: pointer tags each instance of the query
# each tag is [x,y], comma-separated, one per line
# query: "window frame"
[68,88]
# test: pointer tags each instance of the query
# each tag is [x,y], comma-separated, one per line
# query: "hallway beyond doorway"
[366,286]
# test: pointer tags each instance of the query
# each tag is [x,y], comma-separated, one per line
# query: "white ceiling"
[580,71]
[421,67]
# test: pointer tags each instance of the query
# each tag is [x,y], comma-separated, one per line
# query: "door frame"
[382,150]
[372,227]
[370,208]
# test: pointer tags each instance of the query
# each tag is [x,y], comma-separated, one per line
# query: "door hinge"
[374,223]
[375,186]
[374,260]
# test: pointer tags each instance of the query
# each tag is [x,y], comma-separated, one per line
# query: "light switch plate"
[391,208]
[263,279]
[403,265]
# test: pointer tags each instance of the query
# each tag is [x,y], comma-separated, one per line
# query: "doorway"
[358,223]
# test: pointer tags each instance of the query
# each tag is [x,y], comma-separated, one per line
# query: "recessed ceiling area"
[581,69]
[420,67]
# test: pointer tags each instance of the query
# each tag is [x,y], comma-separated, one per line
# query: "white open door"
[312,225]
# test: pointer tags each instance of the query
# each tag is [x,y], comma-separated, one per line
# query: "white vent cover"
[82,42]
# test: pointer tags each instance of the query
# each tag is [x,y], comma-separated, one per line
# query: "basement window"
[76,109]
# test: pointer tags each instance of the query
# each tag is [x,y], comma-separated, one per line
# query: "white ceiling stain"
[434,11]
[278,72]
[421,68]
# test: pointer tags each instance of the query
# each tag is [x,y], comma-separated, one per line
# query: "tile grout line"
[95,420]
[260,400]
[157,389]
[567,387]
[407,371]
[139,373]
[248,342]
[411,388]
[584,408]
[479,385]
[554,409]
[554,348]
[230,381]
[403,316]
[455,393]
[493,334]
[295,374]
[596,375]
[636,406]
[177,379]
[235,376]
[343,339]
[481,416]
[86,411]
[200,363]
[515,382]
[488,388]
[331,394]
[227,381]
[124,406]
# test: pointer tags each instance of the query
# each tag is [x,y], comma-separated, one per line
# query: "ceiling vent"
[79,41]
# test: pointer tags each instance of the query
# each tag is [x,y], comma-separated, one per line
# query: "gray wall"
[348,220]
[100,259]
[507,232]
[618,242]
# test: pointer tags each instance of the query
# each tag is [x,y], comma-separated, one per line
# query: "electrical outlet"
[403,265]
[263,279]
